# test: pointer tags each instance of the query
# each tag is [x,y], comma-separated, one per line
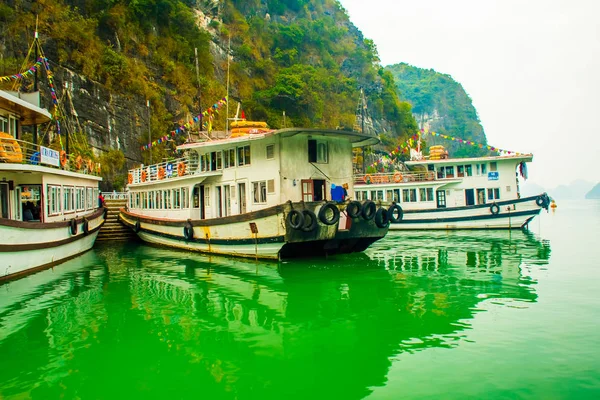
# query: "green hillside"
[301,57]
[441,105]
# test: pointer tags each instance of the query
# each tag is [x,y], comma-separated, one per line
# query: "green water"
[419,315]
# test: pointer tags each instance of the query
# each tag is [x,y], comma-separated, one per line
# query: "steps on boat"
[113,229]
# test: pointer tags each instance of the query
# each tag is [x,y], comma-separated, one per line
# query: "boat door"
[242,197]
[469,197]
[313,189]
[197,202]
[441,198]
[4,202]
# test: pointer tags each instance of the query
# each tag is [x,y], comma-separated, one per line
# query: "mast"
[198,81]
[227,102]
[35,76]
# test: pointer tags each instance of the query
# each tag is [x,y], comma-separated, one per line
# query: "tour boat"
[49,210]
[454,193]
[264,193]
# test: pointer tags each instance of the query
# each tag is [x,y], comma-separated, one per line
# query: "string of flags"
[209,112]
[471,143]
[410,143]
[30,71]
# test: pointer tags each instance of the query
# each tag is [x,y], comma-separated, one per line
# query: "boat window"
[483,169]
[317,151]
[468,170]
[219,159]
[397,195]
[229,158]
[493,166]
[409,195]
[68,195]
[449,172]
[80,198]
[389,195]
[480,196]
[460,171]
[494,194]
[259,192]
[90,198]
[425,194]
[53,199]
[185,197]
[243,155]
[270,152]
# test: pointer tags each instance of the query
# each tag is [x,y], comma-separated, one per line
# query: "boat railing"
[394,177]
[15,151]
[114,195]
[165,170]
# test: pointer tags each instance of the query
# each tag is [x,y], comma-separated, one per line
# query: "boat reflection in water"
[162,322]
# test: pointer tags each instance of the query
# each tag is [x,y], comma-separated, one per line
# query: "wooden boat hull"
[510,214]
[31,246]
[264,234]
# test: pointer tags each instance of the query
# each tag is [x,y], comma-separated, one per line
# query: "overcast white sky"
[531,67]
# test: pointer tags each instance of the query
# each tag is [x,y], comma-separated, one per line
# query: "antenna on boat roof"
[199,89]
[227,103]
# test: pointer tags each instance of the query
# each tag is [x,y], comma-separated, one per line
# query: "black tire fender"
[395,208]
[310,221]
[335,214]
[137,226]
[86,227]
[188,231]
[295,219]
[73,226]
[494,209]
[368,210]
[354,209]
[382,219]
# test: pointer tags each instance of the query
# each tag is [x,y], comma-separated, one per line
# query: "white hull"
[264,234]
[511,215]
[26,250]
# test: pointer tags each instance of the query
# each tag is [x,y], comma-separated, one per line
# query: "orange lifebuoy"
[161,173]
[368,179]
[397,177]
[181,169]
[78,162]
[63,158]
[130,178]
[144,176]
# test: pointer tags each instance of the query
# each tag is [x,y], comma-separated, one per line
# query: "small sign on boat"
[49,156]
[493,176]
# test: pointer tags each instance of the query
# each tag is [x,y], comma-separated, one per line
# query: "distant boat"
[49,210]
[438,192]
[258,193]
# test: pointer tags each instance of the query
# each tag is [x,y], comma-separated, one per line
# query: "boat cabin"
[443,182]
[35,184]
[233,176]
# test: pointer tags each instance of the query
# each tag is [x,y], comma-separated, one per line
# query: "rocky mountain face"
[441,105]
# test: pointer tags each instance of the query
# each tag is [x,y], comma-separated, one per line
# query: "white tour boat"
[454,193]
[264,193]
[48,203]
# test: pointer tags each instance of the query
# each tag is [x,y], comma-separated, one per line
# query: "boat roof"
[30,114]
[357,139]
[467,160]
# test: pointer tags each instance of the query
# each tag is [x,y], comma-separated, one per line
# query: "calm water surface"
[419,315]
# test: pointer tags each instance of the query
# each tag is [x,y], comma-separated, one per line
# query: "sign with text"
[49,156]
[493,176]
